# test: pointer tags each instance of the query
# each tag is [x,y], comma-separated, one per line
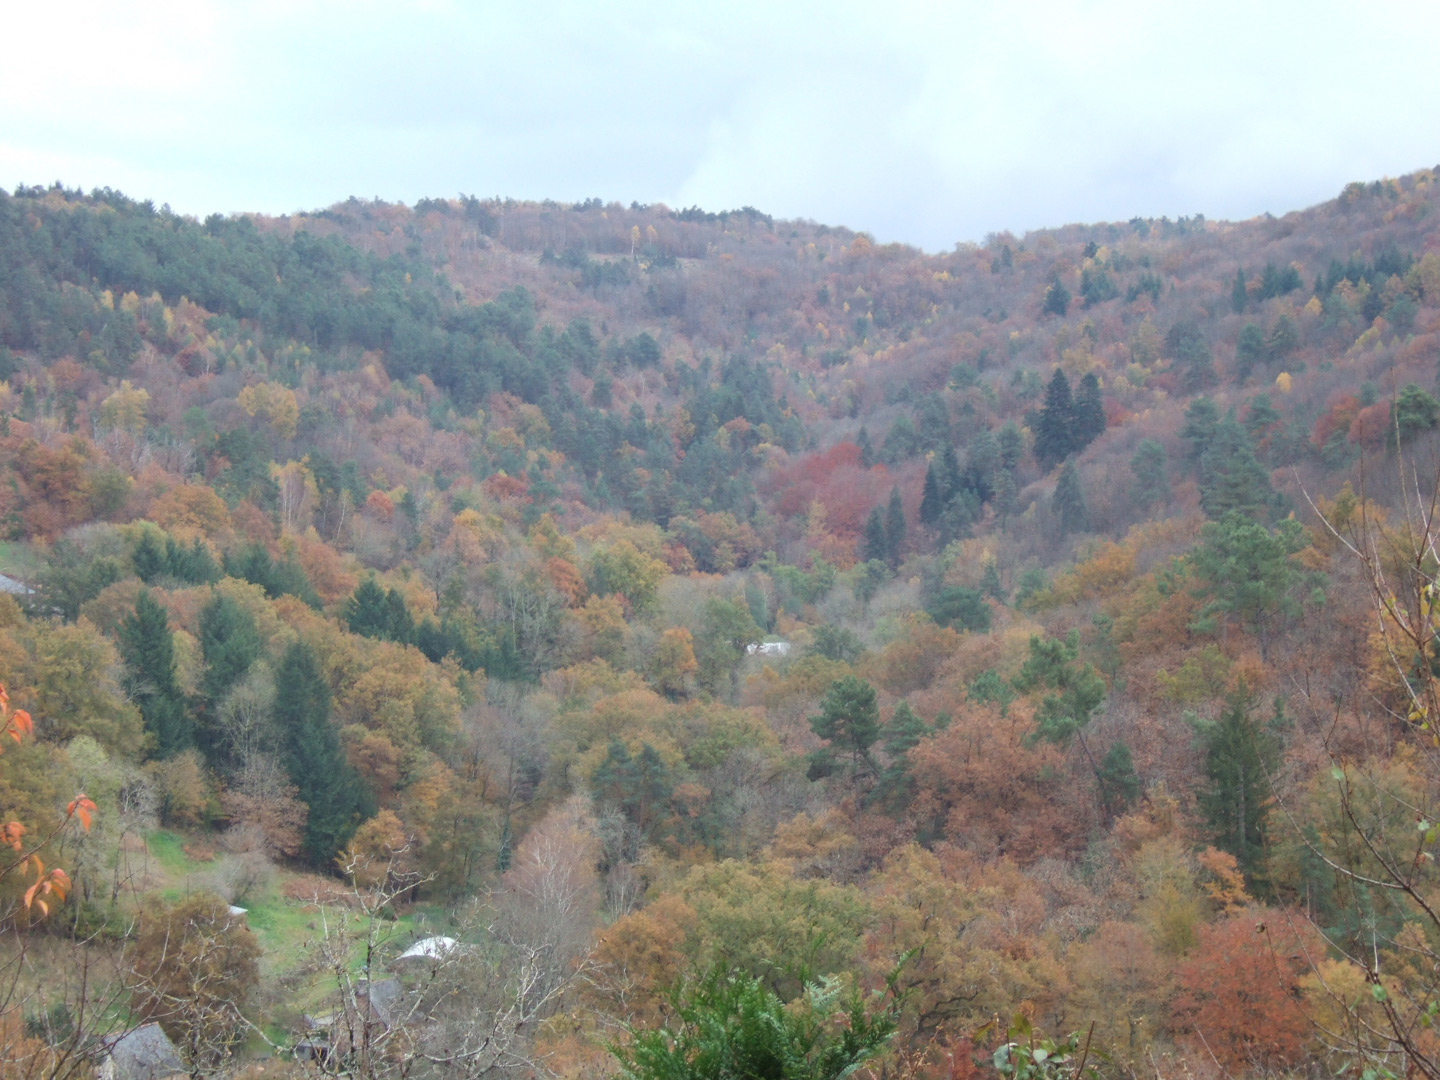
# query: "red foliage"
[1338,417]
[501,487]
[1238,991]
[1370,425]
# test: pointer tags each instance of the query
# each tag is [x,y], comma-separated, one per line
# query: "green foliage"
[960,607]
[1147,467]
[639,787]
[836,643]
[1412,413]
[849,719]
[1057,299]
[1025,1057]
[1119,784]
[726,630]
[894,528]
[1070,510]
[229,643]
[375,613]
[1054,437]
[1076,689]
[733,1026]
[149,653]
[1240,757]
[1247,572]
[1232,478]
[313,758]
[253,563]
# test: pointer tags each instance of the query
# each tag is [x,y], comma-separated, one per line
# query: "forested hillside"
[633,594]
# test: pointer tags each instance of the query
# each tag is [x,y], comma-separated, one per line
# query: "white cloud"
[918,121]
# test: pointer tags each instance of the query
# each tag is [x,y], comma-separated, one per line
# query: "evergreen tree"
[1232,478]
[399,626]
[873,547]
[1239,756]
[849,718]
[960,607]
[894,528]
[951,479]
[229,643]
[1076,689]
[1119,785]
[1147,466]
[1284,338]
[1186,345]
[313,757]
[1070,501]
[900,736]
[932,500]
[1089,412]
[149,653]
[1012,445]
[1057,299]
[982,462]
[1238,296]
[1055,429]
[1202,418]
[990,581]
[148,558]
[1250,350]
[365,612]
[867,452]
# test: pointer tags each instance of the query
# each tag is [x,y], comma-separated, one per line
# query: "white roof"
[430,948]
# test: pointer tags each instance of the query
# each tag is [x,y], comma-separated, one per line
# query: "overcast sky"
[930,123]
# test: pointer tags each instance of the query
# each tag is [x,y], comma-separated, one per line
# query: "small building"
[142,1053]
[768,648]
[430,948]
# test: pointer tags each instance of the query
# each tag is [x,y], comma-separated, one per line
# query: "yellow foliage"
[273,403]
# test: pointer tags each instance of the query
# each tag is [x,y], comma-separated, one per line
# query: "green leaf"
[1378,992]
[1338,773]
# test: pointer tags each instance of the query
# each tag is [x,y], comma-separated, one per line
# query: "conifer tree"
[365,611]
[990,582]
[148,558]
[867,451]
[900,736]
[894,528]
[1012,445]
[1054,431]
[1239,756]
[1238,296]
[849,718]
[149,653]
[1119,785]
[1147,466]
[873,547]
[1057,299]
[932,501]
[229,643]
[313,757]
[1202,417]
[951,479]
[1089,412]
[1232,478]
[1070,501]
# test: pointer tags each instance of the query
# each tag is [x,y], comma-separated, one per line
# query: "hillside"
[432,551]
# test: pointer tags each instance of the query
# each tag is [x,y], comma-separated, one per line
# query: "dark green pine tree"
[366,612]
[1089,412]
[148,558]
[1070,506]
[932,499]
[849,719]
[1119,784]
[1202,418]
[894,528]
[399,626]
[873,547]
[149,653]
[1012,445]
[229,643]
[867,451]
[1057,299]
[990,582]
[313,758]
[951,478]
[1238,296]
[1249,350]
[904,731]
[1055,429]
[1239,756]
[1232,478]
[1147,466]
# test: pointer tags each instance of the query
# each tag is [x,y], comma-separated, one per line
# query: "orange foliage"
[1239,991]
